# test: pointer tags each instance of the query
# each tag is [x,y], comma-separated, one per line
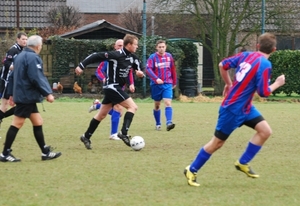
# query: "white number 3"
[244,68]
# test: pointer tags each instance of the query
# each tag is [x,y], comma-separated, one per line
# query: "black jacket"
[29,82]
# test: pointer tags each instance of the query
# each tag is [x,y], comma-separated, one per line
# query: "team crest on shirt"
[38,66]
[106,55]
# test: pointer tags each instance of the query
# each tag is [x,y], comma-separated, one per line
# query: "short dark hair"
[20,34]
[160,41]
[267,42]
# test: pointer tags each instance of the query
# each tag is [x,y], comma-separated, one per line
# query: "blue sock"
[200,160]
[156,114]
[111,112]
[169,114]
[98,106]
[249,153]
[115,118]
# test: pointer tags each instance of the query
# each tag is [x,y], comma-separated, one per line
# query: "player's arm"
[263,87]
[138,67]
[278,83]
[130,77]
[10,85]
[101,71]
[95,57]
[225,74]
[150,70]
[131,81]
[10,58]
[226,78]
[173,72]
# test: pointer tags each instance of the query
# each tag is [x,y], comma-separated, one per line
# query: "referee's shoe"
[8,158]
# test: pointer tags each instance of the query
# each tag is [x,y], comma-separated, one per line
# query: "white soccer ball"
[137,143]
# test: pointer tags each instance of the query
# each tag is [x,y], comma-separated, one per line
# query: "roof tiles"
[33,14]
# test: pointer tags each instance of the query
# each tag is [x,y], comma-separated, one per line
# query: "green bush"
[286,62]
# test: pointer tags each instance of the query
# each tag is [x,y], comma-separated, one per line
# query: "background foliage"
[67,53]
[286,62]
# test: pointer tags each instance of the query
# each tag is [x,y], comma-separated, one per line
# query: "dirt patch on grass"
[203,98]
[200,98]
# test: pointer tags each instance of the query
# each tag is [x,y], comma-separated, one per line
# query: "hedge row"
[70,52]
[286,62]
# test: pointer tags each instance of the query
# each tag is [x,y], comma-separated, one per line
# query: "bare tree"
[218,24]
[65,16]
[133,20]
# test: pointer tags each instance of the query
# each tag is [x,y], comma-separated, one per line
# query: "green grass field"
[112,174]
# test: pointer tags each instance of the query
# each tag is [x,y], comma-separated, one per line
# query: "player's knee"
[267,132]
[135,107]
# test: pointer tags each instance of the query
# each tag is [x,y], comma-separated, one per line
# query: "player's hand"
[11,101]
[78,71]
[226,89]
[140,74]
[131,88]
[280,80]
[159,81]
[50,98]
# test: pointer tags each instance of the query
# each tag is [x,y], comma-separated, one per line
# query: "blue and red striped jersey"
[252,74]
[161,67]
[101,70]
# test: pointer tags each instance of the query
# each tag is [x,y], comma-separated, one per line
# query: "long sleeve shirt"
[161,67]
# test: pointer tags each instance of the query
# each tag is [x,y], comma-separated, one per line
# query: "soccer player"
[162,73]
[252,74]
[120,63]
[116,112]
[7,68]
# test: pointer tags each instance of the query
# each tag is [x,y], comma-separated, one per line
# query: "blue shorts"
[228,121]
[161,91]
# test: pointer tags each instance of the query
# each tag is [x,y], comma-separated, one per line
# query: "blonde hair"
[129,38]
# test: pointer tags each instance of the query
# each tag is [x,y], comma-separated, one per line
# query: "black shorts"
[3,89]
[114,94]
[25,110]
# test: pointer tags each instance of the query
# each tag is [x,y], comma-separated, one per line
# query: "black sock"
[92,127]
[10,138]
[9,112]
[127,121]
[39,137]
